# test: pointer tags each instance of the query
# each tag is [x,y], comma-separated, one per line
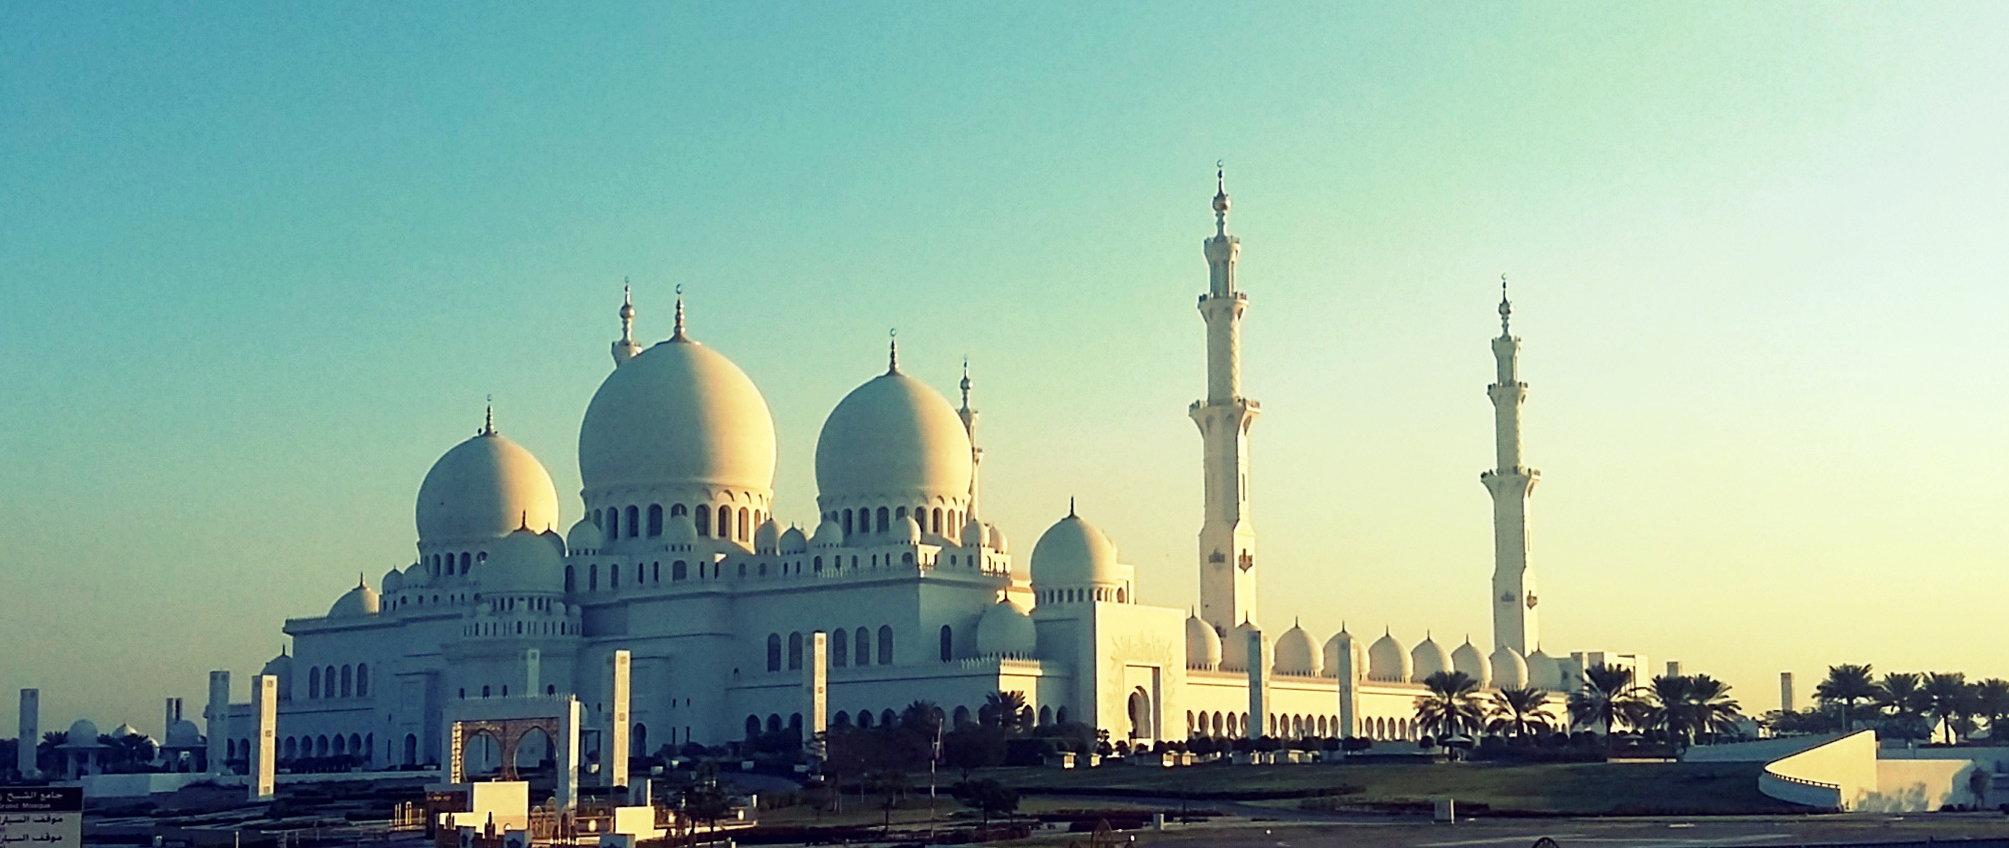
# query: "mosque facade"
[678,560]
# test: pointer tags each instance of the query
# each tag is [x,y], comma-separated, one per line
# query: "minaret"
[1514,618]
[969,416]
[625,348]
[1227,536]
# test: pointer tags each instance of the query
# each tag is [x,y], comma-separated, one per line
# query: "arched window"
[948,643]
[725,522]
[752,726]
[613,524]
[840,648]
[597,520]
[677,570]
[328,681]
[885,644]
[570,578]
[356,745]
[888,718]
[292,748]
[773,723]
[962,716]
[550,688]
[863,654]
[484,691]
[655,519]
[677,510]
[411,749]
[794,651]
[1045,716]
[819,565]
[634,521]
[313,684]
[847,522]
[655,573]
[704,520]
[795,722]
[593,577]
[883,515]
[936,519]
[841,719]
[773,652]
[320,746]
[639,746]
[744,525]
[362,680]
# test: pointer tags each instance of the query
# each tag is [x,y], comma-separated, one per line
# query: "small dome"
[1073,553]
[356,603]
[1345,657]
[556,541]
[1387,660]
[1297,653]
[1468,660]
[998,539]
[1544,672]
[522,563]
[678,414]
[82,732]
[1509,670]
[975,534]
[1203,645]
[415,575]
[394,580]
[1006,630]
[585,536]
[124,730]
[1235,648]
[767,538]
[184,734]
[280,666]
[892,439]
[906,530]
[793,542]
[678,530]
[482,489]
[1427,659]
[829,534]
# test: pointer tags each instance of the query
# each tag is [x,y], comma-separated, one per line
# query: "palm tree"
[1904,699]
[1452,706]
[1520,712]
[1948,698]
[1006,710]
[1668,694]
[1606,690]
[1710,709]
[1991,701]
[1848,684]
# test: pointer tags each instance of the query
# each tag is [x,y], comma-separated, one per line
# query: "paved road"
[1754,831]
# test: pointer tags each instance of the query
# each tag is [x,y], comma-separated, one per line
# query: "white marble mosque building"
[678,560]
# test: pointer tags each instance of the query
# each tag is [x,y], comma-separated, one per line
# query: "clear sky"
[260,264]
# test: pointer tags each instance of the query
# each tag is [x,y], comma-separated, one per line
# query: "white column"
[1786,691]
[566,758]
[533,662]
[616,749]
[264,737]
[816,691]
[216,721]
[1515,624]
[1227,533]
[31,733]
[1259,673]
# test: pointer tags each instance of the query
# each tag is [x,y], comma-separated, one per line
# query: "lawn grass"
[1527,789]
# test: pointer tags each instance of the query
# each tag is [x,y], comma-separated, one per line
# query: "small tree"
[990,797]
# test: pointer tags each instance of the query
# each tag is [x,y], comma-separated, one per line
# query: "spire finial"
[627,312]
[893,350]
[1221,202]
[359,580]
[966,382]
[526,521]
[677,335]
[1506,308]
[1070,506]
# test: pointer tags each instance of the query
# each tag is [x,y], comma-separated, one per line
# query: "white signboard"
[41,817]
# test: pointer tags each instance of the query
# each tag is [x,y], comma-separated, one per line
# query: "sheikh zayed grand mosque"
[902,592]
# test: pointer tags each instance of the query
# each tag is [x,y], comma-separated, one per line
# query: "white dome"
[585,536]
[678,530]
[1345,656]
[355,603]
[1073,553]
[1509,670]
[906,529]
[678,414]
[1387,660]
[82,732]
[482,489]
[1235,648]
[894,440]
[792,541]
[393,581]
[1544,672]
[1203,645]
[1297,653]
[184,734]
[280,666]
[1468,660]
[975,534]
[1006,630]
[522,563]
[1427,659]
[998,539]
[767,539]
[829,534]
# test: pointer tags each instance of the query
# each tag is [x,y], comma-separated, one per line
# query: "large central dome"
[895,439]
[678,414]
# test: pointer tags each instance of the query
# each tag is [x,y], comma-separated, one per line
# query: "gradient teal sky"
[260,265]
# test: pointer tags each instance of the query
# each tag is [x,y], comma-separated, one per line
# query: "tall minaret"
[1227,536]
[1514,619]
[969,416]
